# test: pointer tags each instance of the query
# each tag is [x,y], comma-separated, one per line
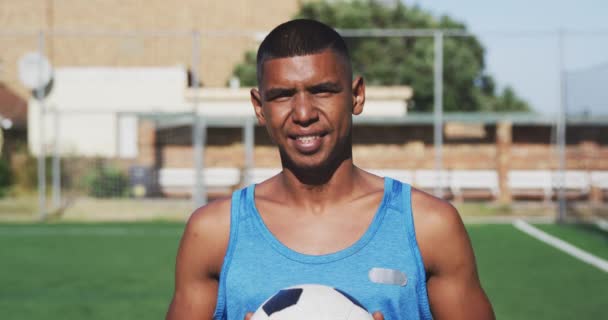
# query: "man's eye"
[322,93]
[281,97]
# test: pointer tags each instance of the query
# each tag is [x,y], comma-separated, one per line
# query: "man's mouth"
[307,139]
[308,143]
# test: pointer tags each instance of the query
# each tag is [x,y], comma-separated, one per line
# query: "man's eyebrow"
[273,93]
[325,87]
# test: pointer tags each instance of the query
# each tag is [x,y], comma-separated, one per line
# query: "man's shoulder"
[429,207]
[438,226]
[433,216]
[205,239]
[211,220]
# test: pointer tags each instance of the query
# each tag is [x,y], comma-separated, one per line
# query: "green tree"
[508,101]
[409,60]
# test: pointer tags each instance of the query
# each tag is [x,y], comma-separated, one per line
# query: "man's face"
[306,104]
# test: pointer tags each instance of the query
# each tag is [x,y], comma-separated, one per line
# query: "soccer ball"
[311,302]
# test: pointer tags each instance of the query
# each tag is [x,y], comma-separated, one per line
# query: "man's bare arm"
[199,261]
[453,285]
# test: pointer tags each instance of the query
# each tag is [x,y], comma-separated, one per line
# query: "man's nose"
[304,110]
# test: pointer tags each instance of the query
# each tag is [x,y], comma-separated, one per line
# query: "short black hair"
[300,37]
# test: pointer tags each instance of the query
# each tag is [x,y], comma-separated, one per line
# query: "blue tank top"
[257,265]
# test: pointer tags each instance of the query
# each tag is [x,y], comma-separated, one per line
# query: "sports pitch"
[125,271]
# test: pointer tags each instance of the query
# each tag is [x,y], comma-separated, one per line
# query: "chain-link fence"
[583,131]
[137,123]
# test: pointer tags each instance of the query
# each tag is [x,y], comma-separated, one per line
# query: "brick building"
[136,33]
[13,121]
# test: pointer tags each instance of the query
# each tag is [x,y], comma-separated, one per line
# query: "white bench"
[599,184]
[530,182]
[575,181]
[182,180]
[599,179]
[257,175]
[401,175]
[463,181]
[429,180]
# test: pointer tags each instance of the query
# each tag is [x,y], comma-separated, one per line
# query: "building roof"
[485,118]
[223,94]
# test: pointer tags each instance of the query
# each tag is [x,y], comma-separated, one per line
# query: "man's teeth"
[307,139]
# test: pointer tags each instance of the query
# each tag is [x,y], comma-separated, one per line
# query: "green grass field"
[125,271]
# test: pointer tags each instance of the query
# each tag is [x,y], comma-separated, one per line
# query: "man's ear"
[256,101]
[358,95]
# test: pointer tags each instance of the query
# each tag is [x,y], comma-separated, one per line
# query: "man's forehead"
[327,55]
[326,62]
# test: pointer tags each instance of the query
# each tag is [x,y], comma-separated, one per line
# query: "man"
[399,251]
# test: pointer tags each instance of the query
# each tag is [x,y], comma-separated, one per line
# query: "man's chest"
[318,235]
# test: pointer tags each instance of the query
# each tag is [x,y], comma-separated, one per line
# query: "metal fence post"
[56,161]
[41,152]
[561,131]
[249,141]
[438,109]
[199,194]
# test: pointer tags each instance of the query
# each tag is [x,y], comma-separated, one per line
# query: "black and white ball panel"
[283,299]
[311,302]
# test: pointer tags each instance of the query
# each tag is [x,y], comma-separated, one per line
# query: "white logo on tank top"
[387,276]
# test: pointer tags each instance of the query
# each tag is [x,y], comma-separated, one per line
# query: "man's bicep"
[198,266]
[453,287]
[458,297]
[195,300]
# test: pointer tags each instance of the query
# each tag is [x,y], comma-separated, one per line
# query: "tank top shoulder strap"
[403,203]
[238,207]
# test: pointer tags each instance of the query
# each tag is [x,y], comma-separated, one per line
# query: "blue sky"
[529,61]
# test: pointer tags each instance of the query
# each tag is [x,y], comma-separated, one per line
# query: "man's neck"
[316,197]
